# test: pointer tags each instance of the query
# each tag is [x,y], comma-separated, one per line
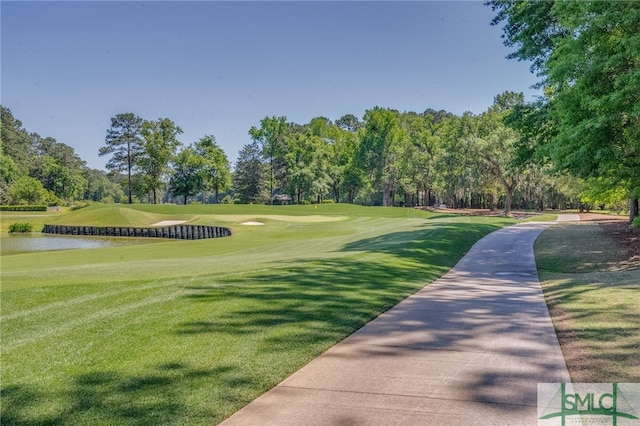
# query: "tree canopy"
[587,55]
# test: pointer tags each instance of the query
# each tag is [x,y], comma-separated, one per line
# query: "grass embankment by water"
[187,332]
[594,301]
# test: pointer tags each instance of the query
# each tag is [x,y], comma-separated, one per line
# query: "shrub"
[328,201]
[20,227]
[80,205]
[228,199]
[24,208]
[636,222]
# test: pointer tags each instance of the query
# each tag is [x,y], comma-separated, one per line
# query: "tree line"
[152,159]
[398,158]
[40,170]
[387,158]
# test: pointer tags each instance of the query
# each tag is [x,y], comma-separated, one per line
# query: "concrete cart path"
[468,349]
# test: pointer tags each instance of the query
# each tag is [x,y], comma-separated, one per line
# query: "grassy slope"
[593,302]
[187,332]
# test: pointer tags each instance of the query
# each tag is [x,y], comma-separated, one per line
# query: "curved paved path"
[468,349]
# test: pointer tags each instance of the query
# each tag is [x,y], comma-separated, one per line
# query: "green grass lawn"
[593,301]
[187,332]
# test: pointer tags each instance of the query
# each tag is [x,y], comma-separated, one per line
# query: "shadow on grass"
[108,397]
[431,243]
[316,301]
[287,316]
[501,322]
[329,299]
[598,328]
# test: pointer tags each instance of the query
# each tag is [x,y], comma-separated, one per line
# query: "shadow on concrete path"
[468,349]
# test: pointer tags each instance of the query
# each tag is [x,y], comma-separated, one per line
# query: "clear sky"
[219,67]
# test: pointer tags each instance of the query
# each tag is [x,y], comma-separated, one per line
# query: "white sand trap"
[169,222]
[253,223]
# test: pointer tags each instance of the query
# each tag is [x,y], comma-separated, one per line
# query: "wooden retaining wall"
[180,232]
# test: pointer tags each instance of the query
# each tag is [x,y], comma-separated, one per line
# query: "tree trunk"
[129,164]
[633,209]
[508,200]
[386,195]
[129,185]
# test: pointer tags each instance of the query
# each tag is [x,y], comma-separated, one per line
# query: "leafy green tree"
[586,54]
[341,152]
[61,153]
[353,181]
[63,181]
[494,145]
[8,174]
[8,169]
[101,188]
[272,138]
[250,176]
[158,148]
[15,142]
[599,192]
[187,178]
[217,173]
[421,131]
[380,143]
[307,163]
[124,142]
[455,175]
[27,190]
[349,122]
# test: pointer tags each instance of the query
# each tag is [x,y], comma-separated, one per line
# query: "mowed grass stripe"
[33,330]
[189,332]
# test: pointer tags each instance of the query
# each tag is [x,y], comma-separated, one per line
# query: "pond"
[26,243]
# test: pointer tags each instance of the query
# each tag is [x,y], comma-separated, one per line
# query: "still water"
[25,243]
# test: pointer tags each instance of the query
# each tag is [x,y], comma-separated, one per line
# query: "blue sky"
[219,67]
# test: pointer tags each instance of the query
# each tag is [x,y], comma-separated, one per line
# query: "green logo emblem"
[590,403]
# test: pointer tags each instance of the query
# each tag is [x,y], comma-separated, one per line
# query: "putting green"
[278,217]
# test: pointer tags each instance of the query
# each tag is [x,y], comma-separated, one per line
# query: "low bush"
[636,222]
[20,227]
[24,208]
[80,205]
[328,201]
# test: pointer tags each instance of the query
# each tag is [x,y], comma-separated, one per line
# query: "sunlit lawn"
[594,302]
[187,332]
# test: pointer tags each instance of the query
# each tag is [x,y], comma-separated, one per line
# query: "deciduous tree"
[28,190]
[158,148]
[379,150]
[187,178]
[216,170]
[272,138]
[587,54]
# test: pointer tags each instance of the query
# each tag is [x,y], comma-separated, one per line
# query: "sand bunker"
[252,223]
[169,222]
